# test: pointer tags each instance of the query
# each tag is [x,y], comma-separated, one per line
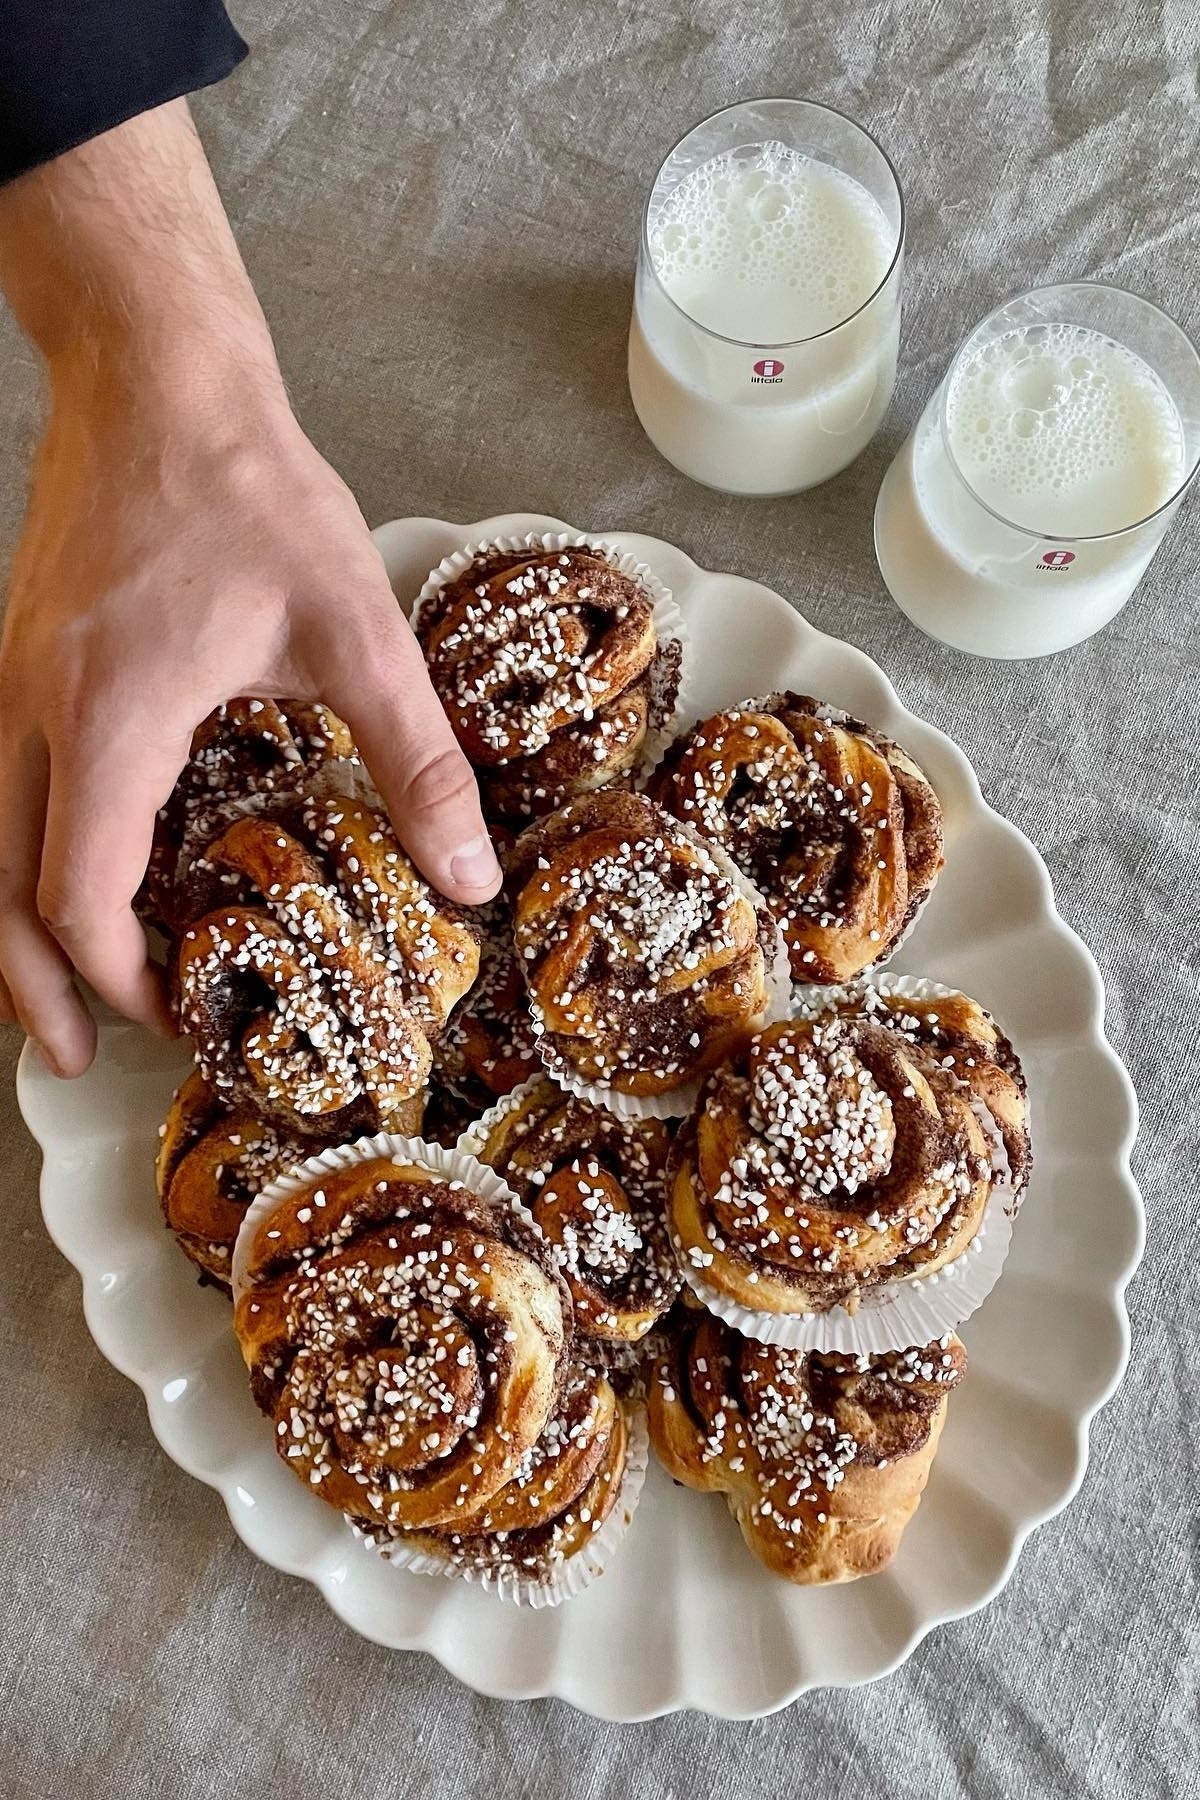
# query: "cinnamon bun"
[248,757]
[212,1162]
[312,999]
[822,1458]
[842,1152]
[549,668]
[835,823]
[643,959]
[596,1185]
[408,1337]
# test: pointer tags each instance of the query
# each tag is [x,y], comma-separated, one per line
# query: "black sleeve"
[70,69]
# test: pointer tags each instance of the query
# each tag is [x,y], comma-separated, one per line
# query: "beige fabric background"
[439,206]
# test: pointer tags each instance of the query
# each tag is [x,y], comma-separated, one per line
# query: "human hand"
[185,543]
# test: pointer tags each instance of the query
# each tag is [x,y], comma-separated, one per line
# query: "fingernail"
[474,864]
[50,1062]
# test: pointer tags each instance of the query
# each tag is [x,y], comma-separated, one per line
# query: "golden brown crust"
[408,1337]
[643,960]
[822,1458]
[970,1046]
[314,1003]
[249,757]
[840,1153]
[836,823]
[543,661]
[595,1184]
[212,1162]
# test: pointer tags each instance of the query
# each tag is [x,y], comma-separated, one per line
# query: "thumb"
[426,783]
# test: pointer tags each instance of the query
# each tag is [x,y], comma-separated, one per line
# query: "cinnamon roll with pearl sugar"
[408,1336]
[212,1161]
[596,1186]
[408,1333]
[550,664]
[248,757]
[848,1152]
[313,994]
[836,824]
[645,960]
[822,1459]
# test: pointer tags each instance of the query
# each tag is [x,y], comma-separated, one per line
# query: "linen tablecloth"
[439,206]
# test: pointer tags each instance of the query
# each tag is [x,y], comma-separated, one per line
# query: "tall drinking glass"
[1023,510]
[766,316]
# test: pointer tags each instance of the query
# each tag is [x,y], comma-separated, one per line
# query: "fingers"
[38,986]
[426,782]
[99,825]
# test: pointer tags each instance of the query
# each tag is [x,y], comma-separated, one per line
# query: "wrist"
[169,364]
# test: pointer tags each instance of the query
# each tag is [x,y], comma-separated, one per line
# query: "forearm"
[119,262]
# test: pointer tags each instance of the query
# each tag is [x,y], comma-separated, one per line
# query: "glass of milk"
[1023,510]
[762,354]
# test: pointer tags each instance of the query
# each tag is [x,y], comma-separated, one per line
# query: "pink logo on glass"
[769,368]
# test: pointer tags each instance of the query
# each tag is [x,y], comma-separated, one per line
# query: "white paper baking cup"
[574,1574]
[473,1137]
[902,1313]
[450,1165]
[679,1101]
[669,622]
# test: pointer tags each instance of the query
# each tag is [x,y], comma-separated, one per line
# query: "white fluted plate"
[685,1617]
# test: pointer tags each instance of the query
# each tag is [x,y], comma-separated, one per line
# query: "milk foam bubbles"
[769,245]
[762,353]
[1062,430]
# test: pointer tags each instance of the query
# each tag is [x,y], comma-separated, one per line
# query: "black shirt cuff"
[70,69]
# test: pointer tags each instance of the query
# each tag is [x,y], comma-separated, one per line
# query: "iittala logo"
[1056,560]
[768,372]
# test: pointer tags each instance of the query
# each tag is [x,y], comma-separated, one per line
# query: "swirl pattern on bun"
[849,1150]
[548,665]
[836,824]
[643,959]
[409,1338]
[596,1186]
[312,998]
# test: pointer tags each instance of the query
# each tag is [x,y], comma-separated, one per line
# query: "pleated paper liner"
[678,1102]
[576,1572]
[652,756]
[898,1314]
[474,1136]
[669,624]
